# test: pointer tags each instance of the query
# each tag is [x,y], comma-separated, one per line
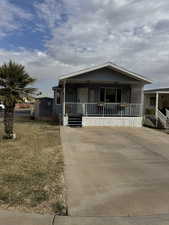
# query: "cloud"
[11,17]
[79,33]
[128,32]
[162,25]
[39,65]
[51,12]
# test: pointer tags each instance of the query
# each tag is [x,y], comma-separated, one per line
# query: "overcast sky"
[53,37]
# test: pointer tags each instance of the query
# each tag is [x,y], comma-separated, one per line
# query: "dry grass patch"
[31,168]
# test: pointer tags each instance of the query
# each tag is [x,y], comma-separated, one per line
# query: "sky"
[54,37]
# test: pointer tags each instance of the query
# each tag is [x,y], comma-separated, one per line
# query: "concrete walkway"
[116,171]
[16,218]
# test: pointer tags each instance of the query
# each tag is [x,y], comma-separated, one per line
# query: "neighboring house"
[156,107]
[43,108]
[105,95]
[27,103]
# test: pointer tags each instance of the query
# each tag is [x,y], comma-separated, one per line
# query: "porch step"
[75,120]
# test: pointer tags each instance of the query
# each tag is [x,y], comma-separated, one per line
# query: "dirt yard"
[31,169]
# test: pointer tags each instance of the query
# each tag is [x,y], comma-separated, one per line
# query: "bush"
[150,111]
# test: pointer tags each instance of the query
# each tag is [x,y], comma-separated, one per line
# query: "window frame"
[114,88]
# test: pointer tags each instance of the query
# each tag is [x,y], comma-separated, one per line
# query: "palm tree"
[14,86]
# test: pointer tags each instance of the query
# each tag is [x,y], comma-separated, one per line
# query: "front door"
[82,98]
[83,95]
[92,95]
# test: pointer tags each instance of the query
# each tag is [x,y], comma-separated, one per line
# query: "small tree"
[14,82]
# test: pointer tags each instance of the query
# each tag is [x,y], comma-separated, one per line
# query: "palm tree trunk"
[9,121]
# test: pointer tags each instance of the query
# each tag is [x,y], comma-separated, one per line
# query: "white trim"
[111,66]
[64,93]
[112,121]
[167,113]
[115,88]
[156,113]
[162,118]
[65,120]
[154,92]
[109,121]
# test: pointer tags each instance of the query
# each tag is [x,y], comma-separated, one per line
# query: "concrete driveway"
[18,218]
[116,171]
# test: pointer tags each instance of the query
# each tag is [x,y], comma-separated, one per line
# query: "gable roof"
[111,66]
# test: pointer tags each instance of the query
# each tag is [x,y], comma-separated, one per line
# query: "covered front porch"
[99,100]
[102,95]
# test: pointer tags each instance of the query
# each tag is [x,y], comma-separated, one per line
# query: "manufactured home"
[105,95]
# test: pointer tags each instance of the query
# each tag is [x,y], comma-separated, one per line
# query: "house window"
[110,95]
[102,94]
[92,95]
[152,101]
[118,97]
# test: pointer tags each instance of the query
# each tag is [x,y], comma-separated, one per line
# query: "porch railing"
[105,109]
[163,119]
[167,113]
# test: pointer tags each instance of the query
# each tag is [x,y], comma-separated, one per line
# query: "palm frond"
[14,80]
[2,82]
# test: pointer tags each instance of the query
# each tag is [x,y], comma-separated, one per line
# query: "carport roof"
[157,90]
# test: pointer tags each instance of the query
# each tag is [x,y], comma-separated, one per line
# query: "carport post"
[157,97]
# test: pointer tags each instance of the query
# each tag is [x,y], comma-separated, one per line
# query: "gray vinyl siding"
[136,94]
[72,92]
[104,74]
[130,93]
[131,89]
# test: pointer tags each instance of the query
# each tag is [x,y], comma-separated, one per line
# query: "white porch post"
[142,102]
[64,93]
[156,111]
